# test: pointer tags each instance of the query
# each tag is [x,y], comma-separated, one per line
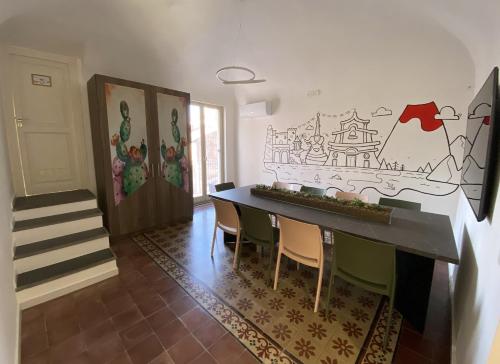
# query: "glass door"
[206,148]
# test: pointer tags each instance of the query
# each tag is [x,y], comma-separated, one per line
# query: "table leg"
[413,286]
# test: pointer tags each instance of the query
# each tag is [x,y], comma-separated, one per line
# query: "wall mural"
[417,154]
[126,110]
[172,116]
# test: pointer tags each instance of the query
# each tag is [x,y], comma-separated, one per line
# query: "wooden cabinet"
[140,136]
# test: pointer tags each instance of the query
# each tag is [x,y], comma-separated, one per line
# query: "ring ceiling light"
[251,79]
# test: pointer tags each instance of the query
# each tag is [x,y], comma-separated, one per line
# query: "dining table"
[420,238]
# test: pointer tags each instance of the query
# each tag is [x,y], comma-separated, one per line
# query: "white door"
[206,148]
[45,121]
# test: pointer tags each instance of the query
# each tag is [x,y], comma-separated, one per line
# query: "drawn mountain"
[459,148]
[446,171]
[418,141]
[472,173]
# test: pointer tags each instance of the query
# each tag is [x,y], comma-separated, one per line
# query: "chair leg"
[389,322]
[213,240]
[298,265]
[271,256]
[277,272]
[318,290]
[237,250]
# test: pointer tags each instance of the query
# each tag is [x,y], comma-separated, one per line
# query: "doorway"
[207,123]
[43,120]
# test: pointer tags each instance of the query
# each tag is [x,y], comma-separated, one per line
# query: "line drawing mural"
[416,155]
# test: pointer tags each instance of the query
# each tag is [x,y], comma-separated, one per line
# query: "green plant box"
[369,212]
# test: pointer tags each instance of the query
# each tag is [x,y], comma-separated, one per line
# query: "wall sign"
[41,80]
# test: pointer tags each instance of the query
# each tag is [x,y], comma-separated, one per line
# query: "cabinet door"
[174,178]
[132,188]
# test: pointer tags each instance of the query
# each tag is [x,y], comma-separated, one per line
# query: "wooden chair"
[402,204]
[256,227]
[303,243]
[312,190]
[366,264]
[224,186]
[226,219]
[349,196]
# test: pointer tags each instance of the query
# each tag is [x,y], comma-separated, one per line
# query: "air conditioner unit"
[256,110]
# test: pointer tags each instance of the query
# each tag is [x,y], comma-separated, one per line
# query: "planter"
[368,212]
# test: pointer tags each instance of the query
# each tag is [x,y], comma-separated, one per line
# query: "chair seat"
[227,229]
[371,286]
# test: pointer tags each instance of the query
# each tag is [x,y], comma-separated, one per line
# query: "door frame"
[222,156]
[79,130]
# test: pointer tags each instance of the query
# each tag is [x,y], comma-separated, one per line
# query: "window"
[206,148]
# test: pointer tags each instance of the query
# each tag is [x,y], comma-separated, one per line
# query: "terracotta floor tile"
[171,333]
[195,318]
[209,333]
[173,294]
[185,350]
[146,350]
[135,334]
[60,307]
[99,332]
[106,350]
[34,326]
[227,349]
[64,351]
[126,319]
[163,358]
[40,358]
[60,330]
[30,314]
[182,305]
[92,314]
[247,358]
[34,344]
[161,318]
[122,358]
[404,355]
[120,304]
[83,358]
[163,285]
[150,305]
[204,358]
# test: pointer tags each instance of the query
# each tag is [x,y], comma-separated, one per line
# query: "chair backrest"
[393,202]
[225,213]
[349,196]
[313,190]
[367,261]
[256,224]
[224,186]
[282,186]
[301,239]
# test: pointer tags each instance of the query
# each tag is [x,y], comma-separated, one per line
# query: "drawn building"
[279,145]
[353,144]
[316,154]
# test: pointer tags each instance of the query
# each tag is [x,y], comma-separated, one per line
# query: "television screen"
[480,151]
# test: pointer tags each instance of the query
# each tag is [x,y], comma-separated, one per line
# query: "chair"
[256,227]
[349,196]
[282,186]
[224,186]
[393,202]
[367,264]
[312,190]
[226,219]
[303,243]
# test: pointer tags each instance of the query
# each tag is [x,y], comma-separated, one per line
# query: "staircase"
[60,245]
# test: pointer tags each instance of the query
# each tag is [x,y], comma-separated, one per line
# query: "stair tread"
[51,272]
[55,219]
[51,199]
[27,250]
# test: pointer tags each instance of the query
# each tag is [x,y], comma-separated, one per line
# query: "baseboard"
[451,286]
[17,357]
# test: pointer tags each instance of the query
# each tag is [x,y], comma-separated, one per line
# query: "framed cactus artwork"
[126,111]
[174,148]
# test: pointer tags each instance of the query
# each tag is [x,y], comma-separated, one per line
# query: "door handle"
[19,121]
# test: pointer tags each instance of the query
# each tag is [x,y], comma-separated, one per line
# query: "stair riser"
[54,210]
[55,256]
[47,291]
[27,236]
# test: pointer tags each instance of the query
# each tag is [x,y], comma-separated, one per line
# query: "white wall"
[8,305]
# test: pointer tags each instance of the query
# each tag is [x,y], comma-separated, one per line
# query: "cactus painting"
[127,125]
[172,115]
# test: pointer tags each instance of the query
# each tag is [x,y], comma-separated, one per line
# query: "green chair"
[257,228]
[224,186]
[366,264]
[312,190]
[393,202]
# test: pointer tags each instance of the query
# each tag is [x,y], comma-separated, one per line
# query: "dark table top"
[421,233]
